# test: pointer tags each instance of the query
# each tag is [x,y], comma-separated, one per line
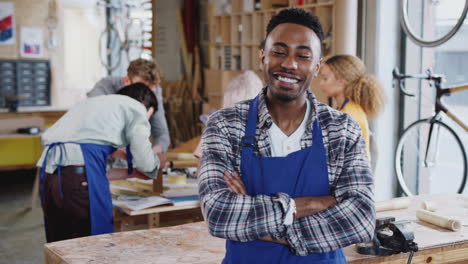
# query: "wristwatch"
[291,213]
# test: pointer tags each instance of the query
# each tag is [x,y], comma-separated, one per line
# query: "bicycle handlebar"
[437,78]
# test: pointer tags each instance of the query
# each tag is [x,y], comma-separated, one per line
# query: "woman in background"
[355,92]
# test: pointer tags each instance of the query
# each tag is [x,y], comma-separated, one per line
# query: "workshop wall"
[75,64]
[27,13]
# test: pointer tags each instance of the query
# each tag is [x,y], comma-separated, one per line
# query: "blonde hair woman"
[355,92]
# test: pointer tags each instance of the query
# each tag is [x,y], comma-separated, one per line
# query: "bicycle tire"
[402,181]
[426,43]
[109,30]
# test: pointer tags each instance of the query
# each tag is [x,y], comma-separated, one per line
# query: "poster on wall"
[7,23]
[32,42]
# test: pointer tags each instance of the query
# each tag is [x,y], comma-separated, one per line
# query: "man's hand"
[234,182]
[157,149]
[120,153]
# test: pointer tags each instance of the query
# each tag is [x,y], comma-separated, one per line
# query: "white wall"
[381,56]
[75,64]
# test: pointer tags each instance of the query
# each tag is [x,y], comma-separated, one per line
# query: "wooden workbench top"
[191,243]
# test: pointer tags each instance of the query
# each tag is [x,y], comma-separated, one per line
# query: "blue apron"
[100,200]
[343,104]
[301,173]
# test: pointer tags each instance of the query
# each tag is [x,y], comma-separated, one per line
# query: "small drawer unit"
[28,80]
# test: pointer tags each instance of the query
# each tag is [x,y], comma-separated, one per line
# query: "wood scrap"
[394,204]
[187,58]
[132,192]
[179,156]
[438,220]
[139,186]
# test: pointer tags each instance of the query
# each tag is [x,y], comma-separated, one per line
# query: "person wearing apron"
[74,185]
[301,173]
[279,216]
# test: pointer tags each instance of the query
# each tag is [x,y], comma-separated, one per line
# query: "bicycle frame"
[440,92]
[442,107]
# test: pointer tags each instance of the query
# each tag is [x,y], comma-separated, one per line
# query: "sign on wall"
[32,42]
[7,23]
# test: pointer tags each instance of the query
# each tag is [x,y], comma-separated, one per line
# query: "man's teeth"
[286,79]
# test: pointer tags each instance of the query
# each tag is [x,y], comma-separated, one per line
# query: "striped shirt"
[245,218]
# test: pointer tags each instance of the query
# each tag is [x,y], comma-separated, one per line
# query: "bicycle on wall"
[430,154]
[432,40]
[125,32]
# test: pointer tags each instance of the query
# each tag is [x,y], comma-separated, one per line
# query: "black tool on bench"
[29,130]
[391,237]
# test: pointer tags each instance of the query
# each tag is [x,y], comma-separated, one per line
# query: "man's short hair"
[296,16]
[147,70]
[141,93]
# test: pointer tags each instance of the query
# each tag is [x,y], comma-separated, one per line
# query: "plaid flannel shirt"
[245,218]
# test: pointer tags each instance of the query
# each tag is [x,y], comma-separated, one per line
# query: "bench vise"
[391,237]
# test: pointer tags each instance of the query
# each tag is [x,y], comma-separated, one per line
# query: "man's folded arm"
[350,221]
[230,215]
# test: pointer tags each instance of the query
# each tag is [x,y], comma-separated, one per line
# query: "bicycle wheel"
[430,161]
[404,21]
[110,45]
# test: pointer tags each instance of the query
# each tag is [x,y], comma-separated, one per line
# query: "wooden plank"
[183,163]
[133,192]
[178,244]
[185,54]
[140,186]
[158,209]
[192,243]
[443,254]
[158,183]
[197,75]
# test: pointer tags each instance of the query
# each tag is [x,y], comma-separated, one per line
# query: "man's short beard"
[284,97]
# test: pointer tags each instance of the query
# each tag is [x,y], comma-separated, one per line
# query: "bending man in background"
[75,193]
[146,72]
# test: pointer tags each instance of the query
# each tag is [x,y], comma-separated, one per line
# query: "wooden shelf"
[235,38]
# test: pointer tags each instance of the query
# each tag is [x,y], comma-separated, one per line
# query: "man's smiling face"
[290,60]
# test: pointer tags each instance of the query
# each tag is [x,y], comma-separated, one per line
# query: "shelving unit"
[235,38]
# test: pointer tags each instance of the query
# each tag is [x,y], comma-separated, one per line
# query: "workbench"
[191,243]
[126,219]
[19,151]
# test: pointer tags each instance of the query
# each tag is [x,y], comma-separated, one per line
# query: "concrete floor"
[22,235]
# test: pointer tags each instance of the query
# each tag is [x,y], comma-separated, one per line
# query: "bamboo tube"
[183,164]
[179,156]
[438,220]
[429,206]
[394,204]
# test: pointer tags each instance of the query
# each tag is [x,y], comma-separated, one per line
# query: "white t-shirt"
[281,144]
